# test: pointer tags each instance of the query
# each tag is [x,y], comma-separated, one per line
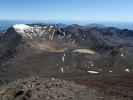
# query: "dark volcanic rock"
[44,89]
[36,88]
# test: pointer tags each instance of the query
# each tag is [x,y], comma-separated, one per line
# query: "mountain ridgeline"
[91,35]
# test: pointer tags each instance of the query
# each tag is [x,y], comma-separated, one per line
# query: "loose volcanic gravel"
[36,88]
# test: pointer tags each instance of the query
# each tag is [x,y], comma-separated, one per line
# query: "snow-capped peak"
[21,27]
[23,30]
[31,31]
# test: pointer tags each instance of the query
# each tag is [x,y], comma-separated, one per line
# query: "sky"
[79,10]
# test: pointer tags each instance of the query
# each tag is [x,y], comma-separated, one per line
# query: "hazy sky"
[97,10]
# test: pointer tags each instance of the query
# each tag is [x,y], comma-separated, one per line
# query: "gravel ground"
[43,89]
[36,88]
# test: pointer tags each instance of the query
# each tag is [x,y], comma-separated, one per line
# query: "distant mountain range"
[5,24]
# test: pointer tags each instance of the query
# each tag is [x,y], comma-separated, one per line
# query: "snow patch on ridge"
[86,51]
[93,72]
[21,27]
[24,30]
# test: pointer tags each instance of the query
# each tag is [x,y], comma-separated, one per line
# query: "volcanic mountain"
[53,50]
[98,53]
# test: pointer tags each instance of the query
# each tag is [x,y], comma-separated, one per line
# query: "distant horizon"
[63,21]
[118,24]
[77,10]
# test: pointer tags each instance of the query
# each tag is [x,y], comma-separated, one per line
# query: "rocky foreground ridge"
[43,89]
[35,88]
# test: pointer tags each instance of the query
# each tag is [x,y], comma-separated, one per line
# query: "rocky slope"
[43,89]
[36,88]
